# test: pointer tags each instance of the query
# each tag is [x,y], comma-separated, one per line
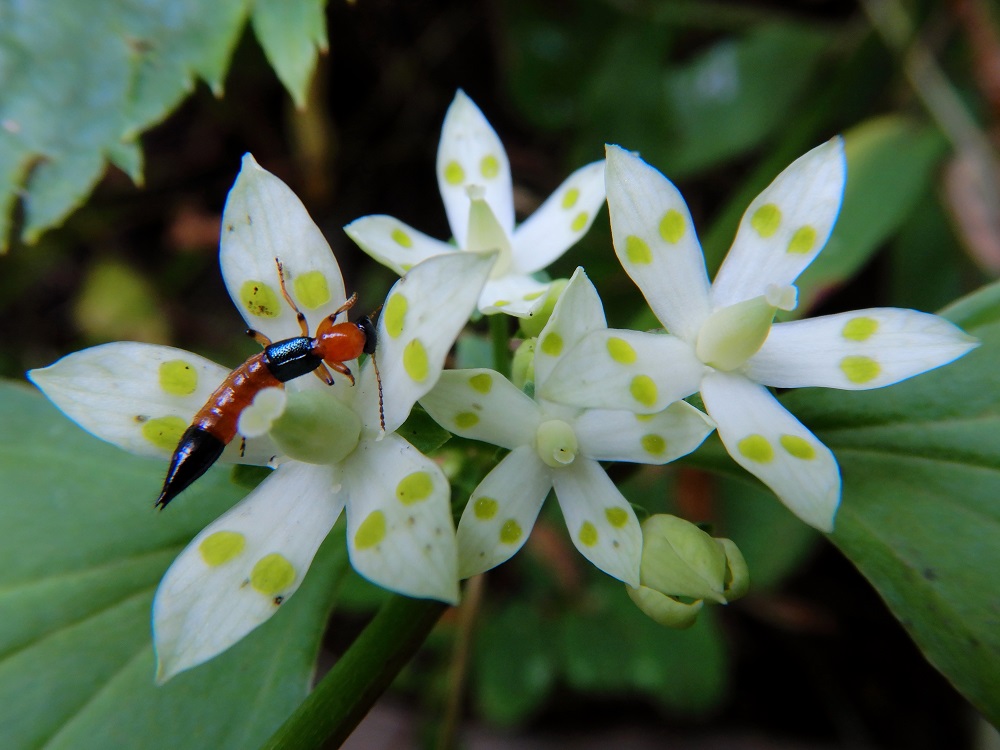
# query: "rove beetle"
[214,426]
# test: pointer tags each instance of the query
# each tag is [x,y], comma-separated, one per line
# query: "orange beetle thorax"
[339,342]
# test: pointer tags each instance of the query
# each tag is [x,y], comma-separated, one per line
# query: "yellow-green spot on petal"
[860,369]
[531,296]
[643,390]
[552,344]
[798,447]
[178,378]
[510,532]
[259,299]
[570,198]
[272,574]
[579,222]
[766,220]
[653,444]
[637,251]
[414,488]
[485,508]
[672,226]
[645,417]
[587,534]
[859,329]
[415,361]
[371,531]
[466,419]
[221,547]
[756,448]
[501,303]
[453,173]
[311,289]
[395,314]
[621,351]
[481,382]
[164,432]
[401,238]
[803,241]
[489,166]
[617,517]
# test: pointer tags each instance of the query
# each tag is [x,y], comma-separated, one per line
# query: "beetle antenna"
[381,403]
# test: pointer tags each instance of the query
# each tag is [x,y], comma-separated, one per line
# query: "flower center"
[556,443]
[733,334]
[316,428]
[486,234]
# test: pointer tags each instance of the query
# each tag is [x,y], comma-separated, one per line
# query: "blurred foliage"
[718,95]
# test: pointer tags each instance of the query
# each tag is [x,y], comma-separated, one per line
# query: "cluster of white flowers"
[598,394]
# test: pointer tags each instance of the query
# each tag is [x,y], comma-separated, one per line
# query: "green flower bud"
[533,326]
[523,368]
[737,572]
[316,427]
[681,560]
[664,609]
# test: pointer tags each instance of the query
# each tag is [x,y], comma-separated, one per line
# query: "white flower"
[235,573]
[721,338]
[556,446]
[474,178]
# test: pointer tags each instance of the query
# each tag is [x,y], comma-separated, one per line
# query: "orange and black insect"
[214,426]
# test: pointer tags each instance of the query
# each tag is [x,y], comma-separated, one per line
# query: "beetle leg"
[288,298]
[323,374]
[259,337]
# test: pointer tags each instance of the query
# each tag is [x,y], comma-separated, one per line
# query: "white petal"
[237,572]
[502,511]
[483,405]
[422,316]
[470,153]
[774,446]
[607,435]
[600,521]
[393,243]
[400,534]
[656,242]
[785,227]
[514,294]
[619,369]
[561,221]
[857,350]
[264,220]
[140,397]
[578,312]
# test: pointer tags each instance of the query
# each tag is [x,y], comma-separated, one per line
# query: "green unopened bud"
[523,368]
[731,335]
[737,572]
[666,610]
[316,427]
[533,325]
[681,560]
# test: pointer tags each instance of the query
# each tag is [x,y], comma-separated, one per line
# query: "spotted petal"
[483,405]
[264,220]
[607,435]
[656,242]
[423,314]
[619,369]
[502,511]
[600,521]
[516,295]
[242,567]
[561,221]
[774,446]
[399,529]
[577,312]
[470,153]
[140,397]
[857,350]
[393,243]
[785,227]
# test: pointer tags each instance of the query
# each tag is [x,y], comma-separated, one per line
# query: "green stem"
[340,701]
[500,336]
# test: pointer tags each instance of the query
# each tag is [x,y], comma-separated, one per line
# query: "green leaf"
[422,432]
[82,558]
[83,80]
[919,515]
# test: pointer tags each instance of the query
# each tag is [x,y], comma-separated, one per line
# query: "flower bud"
[663,609]
[316,427]
[737,572]
[532,326]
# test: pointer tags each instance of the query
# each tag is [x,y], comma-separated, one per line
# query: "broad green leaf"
[81,81]
[919,515]
[83,553]
[890,164]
